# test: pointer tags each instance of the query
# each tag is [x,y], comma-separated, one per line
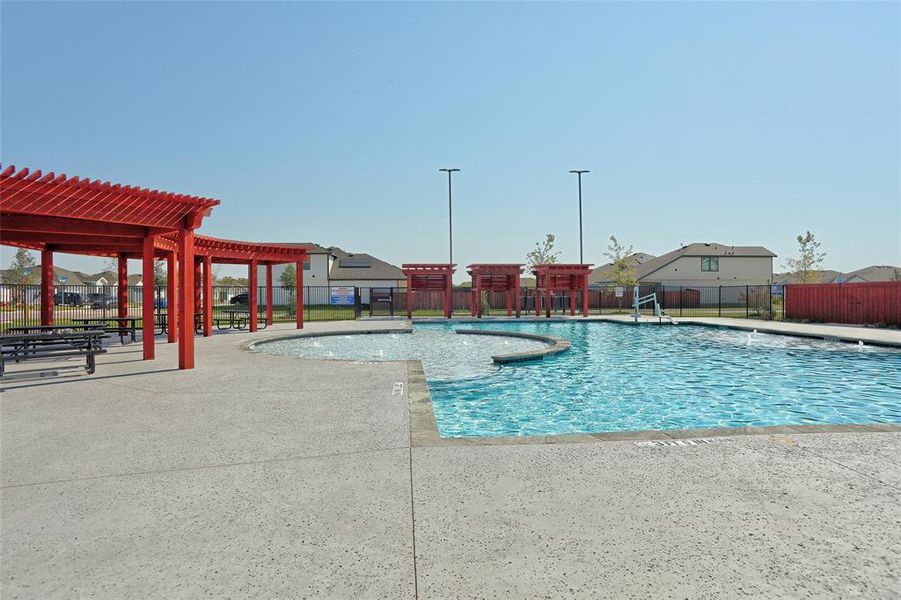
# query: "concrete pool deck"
[259,475]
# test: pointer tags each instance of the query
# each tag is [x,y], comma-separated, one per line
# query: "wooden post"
[584,295]
[147,294]
[409,296]
[207,296]
[198,289]
[122,300]
[171,300]
[517,296]
[46,287]
[268,294]
[448,296]
[572,296]
[298,299]
[547,305]
[185,298]
[253,295]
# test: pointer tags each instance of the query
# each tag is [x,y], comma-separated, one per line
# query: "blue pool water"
[622,378]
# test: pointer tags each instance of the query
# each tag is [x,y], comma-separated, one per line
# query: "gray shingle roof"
[701,249]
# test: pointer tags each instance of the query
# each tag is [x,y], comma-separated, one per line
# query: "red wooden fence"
[854,303]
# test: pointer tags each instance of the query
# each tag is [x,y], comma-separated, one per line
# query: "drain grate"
[688,442]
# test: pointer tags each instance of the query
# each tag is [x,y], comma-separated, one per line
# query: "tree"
[160,278]
[807,266]
[235,281]
[623,273]
[543,253]
[289,277]
[23,269]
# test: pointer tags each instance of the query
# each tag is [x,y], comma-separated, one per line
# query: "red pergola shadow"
[55,213]
[495,278]
[571,278]
[430,277]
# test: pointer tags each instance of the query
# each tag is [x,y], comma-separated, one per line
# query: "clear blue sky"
[744,123]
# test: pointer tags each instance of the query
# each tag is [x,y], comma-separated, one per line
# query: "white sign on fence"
[341,295]
[618,290]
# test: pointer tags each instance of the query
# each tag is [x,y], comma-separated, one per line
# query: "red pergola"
[570,278]
[495,278]
[55,213]
[430,277]
[209,250]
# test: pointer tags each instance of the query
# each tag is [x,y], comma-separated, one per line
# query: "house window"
[710,263]
[306,265]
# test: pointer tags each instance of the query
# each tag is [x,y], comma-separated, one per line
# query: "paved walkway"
[265,476]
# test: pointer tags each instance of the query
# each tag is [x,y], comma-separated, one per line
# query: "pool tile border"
[424,428]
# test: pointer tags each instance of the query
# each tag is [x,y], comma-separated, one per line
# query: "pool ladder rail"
[649,299]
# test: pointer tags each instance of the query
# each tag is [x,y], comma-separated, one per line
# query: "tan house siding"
[733,270]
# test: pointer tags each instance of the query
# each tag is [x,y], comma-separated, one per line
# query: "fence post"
[747,301]
[681,299]
[358,303]
[772,316]
[719,303]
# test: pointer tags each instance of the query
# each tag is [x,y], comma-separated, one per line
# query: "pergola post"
[122,303]
[46,286]
[207,296]
[171,300]
[547,304]
[572,295]
[186,298]
[584,295]
[147,324]
[409,296]
[537,295]
[298,297]
[509,295]
[517,298]
[449,296]
[253,295]
[268,294]
[198,288]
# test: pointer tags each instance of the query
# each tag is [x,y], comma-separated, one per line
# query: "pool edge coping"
[424,427]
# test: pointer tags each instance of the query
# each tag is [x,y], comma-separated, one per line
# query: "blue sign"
[63,279]
[341,296]
[777,290]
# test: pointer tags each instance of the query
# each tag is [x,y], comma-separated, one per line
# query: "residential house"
[699,264]
[871,273]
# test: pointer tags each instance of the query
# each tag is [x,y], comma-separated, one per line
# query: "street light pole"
[579,174]
[450,212]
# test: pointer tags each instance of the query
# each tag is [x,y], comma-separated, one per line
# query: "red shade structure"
[429,277]
[495,278]
[571,278]
[56,213]
[214,250]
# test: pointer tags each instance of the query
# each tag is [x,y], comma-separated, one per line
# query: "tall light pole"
[579,173]
[450,212]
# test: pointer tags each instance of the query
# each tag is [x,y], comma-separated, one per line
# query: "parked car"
[103,301]
[240,299]
[67,299]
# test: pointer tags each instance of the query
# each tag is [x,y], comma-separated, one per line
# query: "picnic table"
[238,319]
[50,345]
[51,328]
[162,321]
[121,325]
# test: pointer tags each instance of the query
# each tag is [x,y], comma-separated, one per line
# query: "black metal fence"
[20,304]
[746,301]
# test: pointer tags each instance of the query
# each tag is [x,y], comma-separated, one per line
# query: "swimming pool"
[624,378]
